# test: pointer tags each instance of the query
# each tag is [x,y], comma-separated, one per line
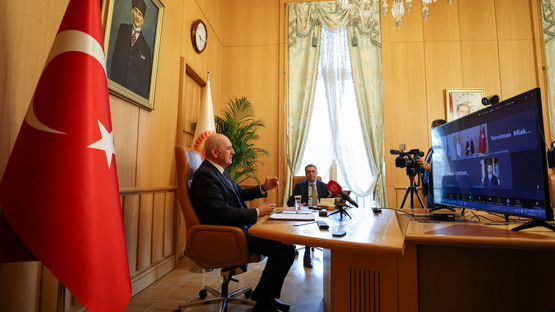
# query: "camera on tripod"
[407,159]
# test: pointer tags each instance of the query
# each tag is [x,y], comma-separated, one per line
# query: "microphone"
[492,99]
[394,152]
[335,189]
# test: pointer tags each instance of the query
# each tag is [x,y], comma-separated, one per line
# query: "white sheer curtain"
[335,130]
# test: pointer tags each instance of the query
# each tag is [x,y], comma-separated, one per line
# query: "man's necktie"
[134,37]
[229,181]
[314,195]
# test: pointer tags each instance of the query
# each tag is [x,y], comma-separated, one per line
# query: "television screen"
[494,160]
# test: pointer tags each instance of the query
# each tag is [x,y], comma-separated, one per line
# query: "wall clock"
[199,35]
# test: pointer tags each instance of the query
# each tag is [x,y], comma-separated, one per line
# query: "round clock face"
[199,36]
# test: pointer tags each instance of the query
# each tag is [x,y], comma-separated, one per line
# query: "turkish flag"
[205,125]
[483,145]
[60,191]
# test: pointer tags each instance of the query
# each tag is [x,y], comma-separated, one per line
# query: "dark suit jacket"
[131,65]
[301,188]
[216,203]
[493,181]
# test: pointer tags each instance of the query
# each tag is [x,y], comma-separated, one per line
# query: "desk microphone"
[335,189]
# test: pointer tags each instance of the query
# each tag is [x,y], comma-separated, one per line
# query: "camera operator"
[427,177]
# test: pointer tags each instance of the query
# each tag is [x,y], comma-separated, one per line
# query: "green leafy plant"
[240,126]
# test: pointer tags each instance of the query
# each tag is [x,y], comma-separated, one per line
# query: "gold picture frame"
[132,71]
[460,102]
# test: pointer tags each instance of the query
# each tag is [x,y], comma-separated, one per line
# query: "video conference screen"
[494,159]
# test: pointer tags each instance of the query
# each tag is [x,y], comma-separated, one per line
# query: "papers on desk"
[302,215]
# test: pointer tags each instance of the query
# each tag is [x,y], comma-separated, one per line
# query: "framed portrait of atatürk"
[132,44]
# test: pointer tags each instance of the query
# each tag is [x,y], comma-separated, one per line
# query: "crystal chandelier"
[365,8]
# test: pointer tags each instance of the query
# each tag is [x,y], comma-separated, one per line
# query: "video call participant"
[311,190]
[490,178]
[219,200]
[427,177]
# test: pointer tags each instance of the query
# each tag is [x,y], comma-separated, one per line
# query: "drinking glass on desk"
[298,202]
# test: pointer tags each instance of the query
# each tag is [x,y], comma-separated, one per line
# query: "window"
[335,132]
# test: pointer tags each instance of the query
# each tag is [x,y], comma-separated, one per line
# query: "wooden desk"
[463,266]
[389,262]
[360,268]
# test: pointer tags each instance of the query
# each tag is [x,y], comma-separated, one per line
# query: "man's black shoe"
[264,307]
[280,305]
[307,261]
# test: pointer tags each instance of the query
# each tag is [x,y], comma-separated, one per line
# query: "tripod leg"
[419,198]
[405,197]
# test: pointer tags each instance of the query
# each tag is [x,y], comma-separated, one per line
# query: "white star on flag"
[106,143]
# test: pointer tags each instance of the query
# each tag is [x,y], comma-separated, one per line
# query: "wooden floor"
[302,288]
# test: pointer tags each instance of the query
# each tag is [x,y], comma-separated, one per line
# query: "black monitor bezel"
[548,211]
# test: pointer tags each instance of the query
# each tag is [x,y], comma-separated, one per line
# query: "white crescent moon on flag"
[67,41]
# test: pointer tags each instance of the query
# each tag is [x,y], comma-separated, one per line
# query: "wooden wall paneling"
[411,25]
[19,289]
[169,223]
[158,219]
[214,13]
[251,22]
[130,206]
[405,108]
[252,71]
[443,22]
[26,43]
[48,290]
[157,128]
[144,250]
[192,103]
[443,70]
[518,67]
[480,66]
[391,197]
[477,20]
[125,123]
[514,19]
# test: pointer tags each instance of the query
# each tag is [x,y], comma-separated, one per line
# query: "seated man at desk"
[219,200]
[311,190]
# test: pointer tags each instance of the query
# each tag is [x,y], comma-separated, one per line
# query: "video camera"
[407,159]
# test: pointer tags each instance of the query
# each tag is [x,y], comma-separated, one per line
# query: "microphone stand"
[341,210]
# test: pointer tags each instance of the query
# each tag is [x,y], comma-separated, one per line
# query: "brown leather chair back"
[297,179]
[210,246]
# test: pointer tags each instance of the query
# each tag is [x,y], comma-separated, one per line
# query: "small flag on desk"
[59,192]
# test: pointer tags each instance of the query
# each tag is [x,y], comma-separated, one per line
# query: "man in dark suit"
[311,190]
[132,58]
[490,178]
[469,146]
[219,200]
[427,176]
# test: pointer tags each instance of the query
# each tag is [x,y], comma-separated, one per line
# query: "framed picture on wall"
[132,44]
[461,102]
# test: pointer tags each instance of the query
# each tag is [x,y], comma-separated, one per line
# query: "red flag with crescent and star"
[59,192]
[483,145]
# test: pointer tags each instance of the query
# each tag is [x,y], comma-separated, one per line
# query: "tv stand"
[532,224]
[438,208]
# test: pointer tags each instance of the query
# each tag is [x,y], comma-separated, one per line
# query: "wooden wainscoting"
[149,218]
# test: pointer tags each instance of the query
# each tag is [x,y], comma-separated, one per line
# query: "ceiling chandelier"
[365,8]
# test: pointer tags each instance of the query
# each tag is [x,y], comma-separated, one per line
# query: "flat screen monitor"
[494,160]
